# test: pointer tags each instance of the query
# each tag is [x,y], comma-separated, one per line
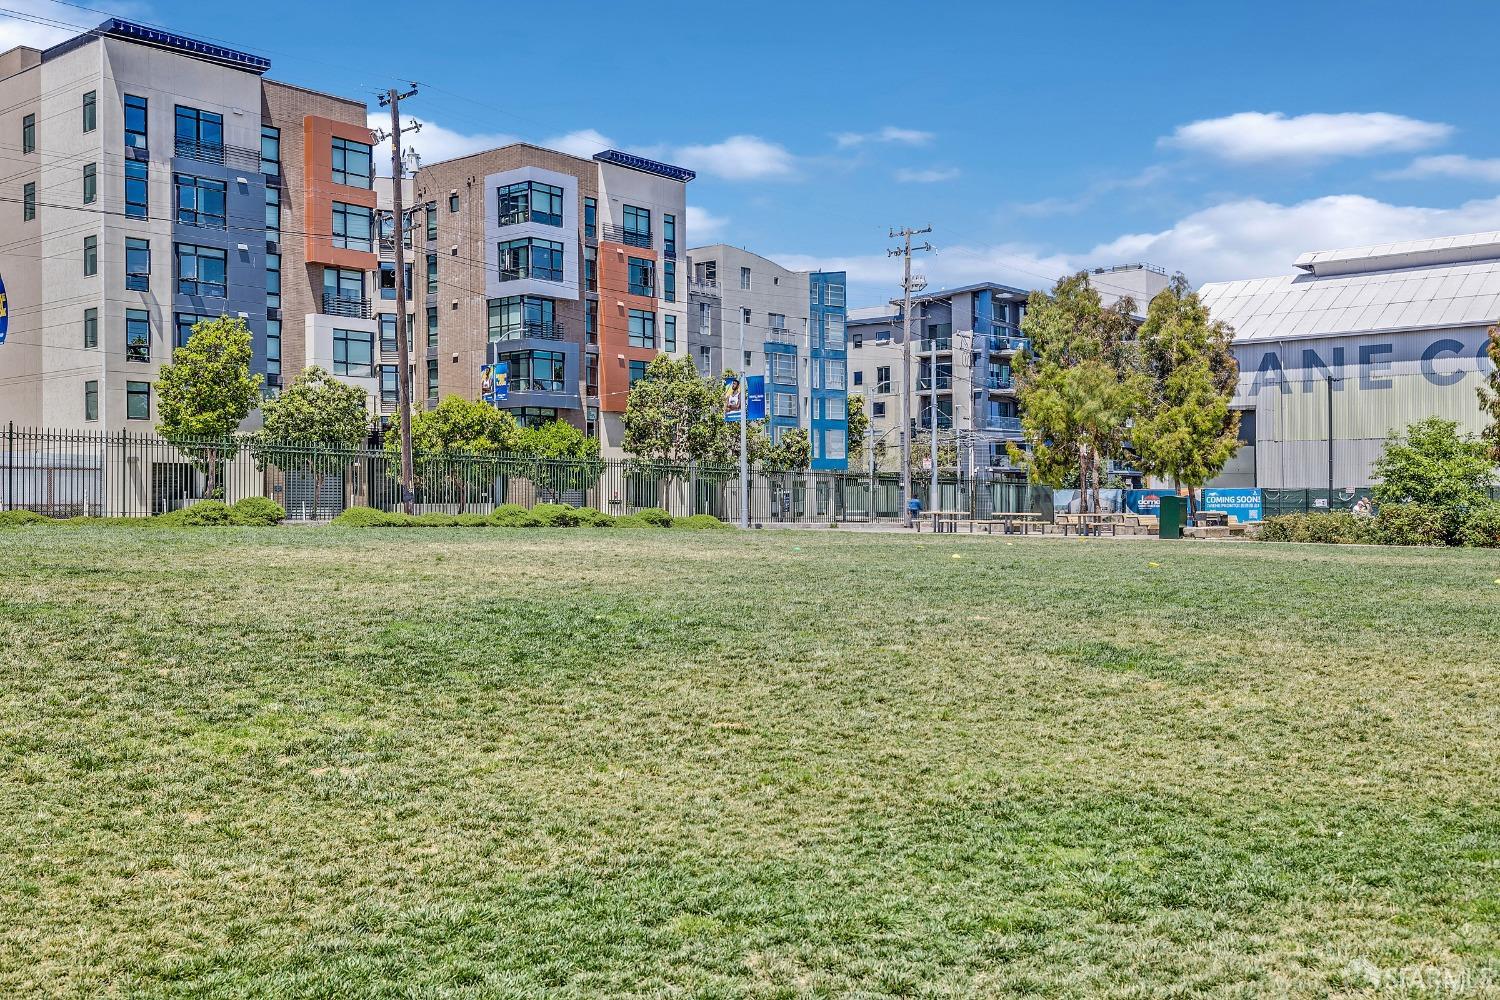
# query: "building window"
[390,392]
[351,163]
[786,404]
[669,332]
[201,201]
[835,444]
[783,368]
[637,226]
[273,281]
[531,201]
[28,202]
[344,285]
[744,277]
[352,225]
[387,333]
[642,329]
[833,295]
[642,276]
[184,325]
[90,183]
[883,379]
[833,331]
[202,270]
[531,258]
[200,131]
[137,192]
[137,335]
[637,371]
[833,374]
[273,214]
[777,321]
[536,371]
[453,203]
[432,281]
[669,235]
[431,208]
[137,265]
[28,134]
[135,122]
[90,111]
[835,408]
[273,347]
[523,316]
[591,321]
[708,272]
[91,400]
[669,280]
[590,218]
[877,409]
[270,151]
[353,353]
[591,269]
[138,400]
[90,256]
[432,379]
[859,378]
[747,361]
[591,374]
[91,328]
[432,328]
[705,322]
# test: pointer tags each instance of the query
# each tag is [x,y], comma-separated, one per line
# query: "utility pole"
[1329,376]
[392,99]
[907,287]
[744,432]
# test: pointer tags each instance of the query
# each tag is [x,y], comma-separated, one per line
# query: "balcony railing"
[700,287]
[1004,344]
[538,273]
[1011,425]
[538,384]
[998,382]
[924,384]
[194,286]
[217,152]
[629,237]
[538,330]
[781,335]
[941,343]
[345,306]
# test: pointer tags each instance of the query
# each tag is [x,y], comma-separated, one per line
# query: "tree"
[1083,387]
[459,443]
[859,425]
[559,458]
[674,416]
[1489,398]
[793,453]
[313,425]
[1185,431]
[1434,466]
[206,393]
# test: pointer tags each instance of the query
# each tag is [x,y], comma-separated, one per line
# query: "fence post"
[10,466]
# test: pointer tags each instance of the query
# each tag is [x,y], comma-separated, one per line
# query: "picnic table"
[1008,520]
[1094,524]
[946,520]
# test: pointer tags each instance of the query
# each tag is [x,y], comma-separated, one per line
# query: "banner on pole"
[4,312]
[494,382]
[738,392]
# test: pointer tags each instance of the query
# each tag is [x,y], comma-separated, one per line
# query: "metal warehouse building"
[1358,344]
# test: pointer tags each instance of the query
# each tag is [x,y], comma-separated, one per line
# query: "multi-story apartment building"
[163,180]
[570,270]
[793,326]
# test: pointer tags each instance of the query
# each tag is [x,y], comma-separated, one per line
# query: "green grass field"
[491,763]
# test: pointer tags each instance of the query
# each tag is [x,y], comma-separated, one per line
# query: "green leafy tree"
[458,446]
[313,425]
[1081,388]
[859,425]
[1435,467]
[791,454]
[1185,431]
[559,458]
[674,416]
[1489,397]
[206,393]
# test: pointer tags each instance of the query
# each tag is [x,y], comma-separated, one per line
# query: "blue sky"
[1216,139]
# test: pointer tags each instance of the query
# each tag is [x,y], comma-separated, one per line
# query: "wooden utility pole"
[392,99]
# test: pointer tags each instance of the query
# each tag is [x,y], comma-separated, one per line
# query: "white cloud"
[704,226]
[436,143]
[1073,204]
[1256,137]
[1463,167]
[740,158]
[584,142]
[875,279]
[890,133]
[929,175]
[58,27]
[1252,238]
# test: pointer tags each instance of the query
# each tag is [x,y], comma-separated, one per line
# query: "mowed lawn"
[504,763]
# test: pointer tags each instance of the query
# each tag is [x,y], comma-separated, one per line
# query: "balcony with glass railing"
[1005,425]
[532,329]
[944,383]
[1006,344]
[927,345]
[1000,383]
[216,152]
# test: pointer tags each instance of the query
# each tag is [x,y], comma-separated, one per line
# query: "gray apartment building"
[748,314]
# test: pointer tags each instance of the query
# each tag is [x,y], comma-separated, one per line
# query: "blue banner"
[755,386]
[494,382]
[1145,501]
[4,312]
[1242,505]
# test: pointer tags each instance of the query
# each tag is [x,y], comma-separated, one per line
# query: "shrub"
[654,516]
[472,520]
[369,517]
[634,521]
[21,518]
[699,522]
[1333,528]
[1481,528]
[557,515]
[256,511]
[432,520]
[509,510]
[207,513]
[592,518]
[509,515]
[1409,524]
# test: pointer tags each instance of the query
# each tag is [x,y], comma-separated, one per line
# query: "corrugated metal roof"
[1406,253]
[1310,305]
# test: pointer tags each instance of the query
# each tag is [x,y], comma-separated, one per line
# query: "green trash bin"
[1172,516]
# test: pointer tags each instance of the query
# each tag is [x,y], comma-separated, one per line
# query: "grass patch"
[452,763]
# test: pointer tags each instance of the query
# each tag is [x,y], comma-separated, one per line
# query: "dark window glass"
[135,122]
[453,203]
[432,327]
[522,316]
[90,256]
[531,201]
[137,335]
[536,371]
[184,327]
[91,400]
[351,163]
[531,258]
[90,111]
[352,226]
[138,400]
[590,217]
[432,379]
[669,332]
[642,276]
[270,151]
[353,353]
[637,371]
[137,265]
[28,134]
[642,329]
[28,202]
[90,183]
[273,281]
[669,235]
[202,270]
[431,208]
[91,328]
[201,201]
[137,197]
[638,221]
[432,277]
[273,347]
[273,213]
[387,333]
[669,280]
[200,130]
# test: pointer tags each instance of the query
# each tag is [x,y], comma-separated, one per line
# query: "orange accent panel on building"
[615,304]
[322,192]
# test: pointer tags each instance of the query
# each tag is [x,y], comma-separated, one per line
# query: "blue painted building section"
[781,396]
[244,248]
[829,363]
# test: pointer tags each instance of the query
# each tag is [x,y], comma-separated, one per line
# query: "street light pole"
[744,433]
[905,251]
